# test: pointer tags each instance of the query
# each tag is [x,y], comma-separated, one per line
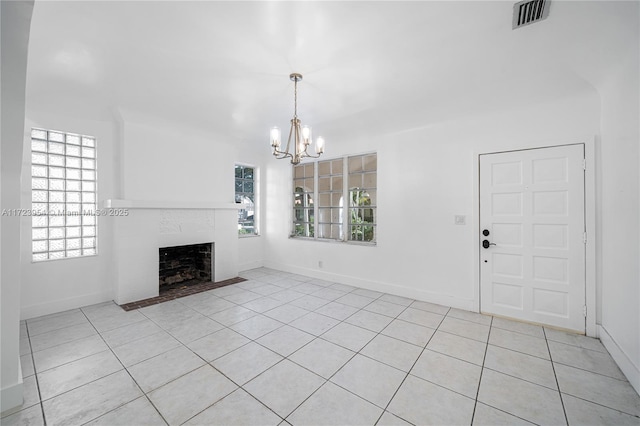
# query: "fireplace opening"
[182,266]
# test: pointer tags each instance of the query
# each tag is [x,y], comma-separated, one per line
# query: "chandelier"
[299,136]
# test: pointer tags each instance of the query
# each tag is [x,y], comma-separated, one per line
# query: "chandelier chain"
[295,98]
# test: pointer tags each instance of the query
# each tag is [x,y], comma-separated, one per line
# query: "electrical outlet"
[460,220]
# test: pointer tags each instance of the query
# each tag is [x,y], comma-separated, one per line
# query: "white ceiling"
[384,65]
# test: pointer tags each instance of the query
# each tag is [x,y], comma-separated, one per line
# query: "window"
[345,208]
[63,195]
[362,197]
[330,199]
[245,193]
[303,195]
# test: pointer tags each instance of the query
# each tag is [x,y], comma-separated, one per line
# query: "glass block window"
[303,196]
[63,195]
[245,179]
[346,195]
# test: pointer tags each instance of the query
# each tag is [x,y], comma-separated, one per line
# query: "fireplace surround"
[152,225]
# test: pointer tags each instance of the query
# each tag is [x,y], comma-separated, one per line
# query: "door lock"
[485,232]
[486,244]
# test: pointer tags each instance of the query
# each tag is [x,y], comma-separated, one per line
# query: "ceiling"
[385,66]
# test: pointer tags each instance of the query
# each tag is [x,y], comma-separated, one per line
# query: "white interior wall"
[15,18]
[250,252]
[164,161]
[620,209]
[173,162]
[140,158]
[425,177]
[54,286]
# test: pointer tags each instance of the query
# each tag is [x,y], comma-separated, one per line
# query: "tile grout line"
[92,381]
[258,399]
[519,352]
[487,368]
[35,374]
[326,380]
[241,386]
[57,330]
[484,358]
[482,367]
[555,376]
[196,354]
[590,371]
[604,406]
[125,369]
[231,380]
[518,378]
[450,356]
[409,371]
[315,337]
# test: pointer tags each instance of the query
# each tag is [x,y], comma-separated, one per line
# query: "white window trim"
[256,199]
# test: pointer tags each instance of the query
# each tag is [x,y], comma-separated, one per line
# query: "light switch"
[460,219]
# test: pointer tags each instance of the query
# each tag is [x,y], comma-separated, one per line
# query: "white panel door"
[532,207]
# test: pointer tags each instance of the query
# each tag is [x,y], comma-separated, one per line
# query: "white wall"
[250,252]
[425,177]
[169,161]
[620,210]
[140,158]
[59,285]
[166,161]
[15,20]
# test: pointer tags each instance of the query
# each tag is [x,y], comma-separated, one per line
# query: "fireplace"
[154,224]
[185,265]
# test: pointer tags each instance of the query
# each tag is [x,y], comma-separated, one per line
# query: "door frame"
[591,292]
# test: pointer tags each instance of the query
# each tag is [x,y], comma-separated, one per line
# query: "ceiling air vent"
[529,11]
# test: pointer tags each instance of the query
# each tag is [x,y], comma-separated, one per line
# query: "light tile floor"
[284,349]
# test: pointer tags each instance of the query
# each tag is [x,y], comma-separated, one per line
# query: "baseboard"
[250,265]
[391,288]
[629,369]
[55,306]
[12,396]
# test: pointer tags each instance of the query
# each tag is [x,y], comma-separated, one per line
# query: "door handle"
[486,244]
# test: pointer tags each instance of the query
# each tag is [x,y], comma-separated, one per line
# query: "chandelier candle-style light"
[301,135]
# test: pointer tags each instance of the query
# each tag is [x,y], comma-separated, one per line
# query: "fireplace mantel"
[166,205]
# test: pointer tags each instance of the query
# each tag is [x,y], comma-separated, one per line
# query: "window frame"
[64,209]
[307,202]
[365,194]
[345,202]
[255,193]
